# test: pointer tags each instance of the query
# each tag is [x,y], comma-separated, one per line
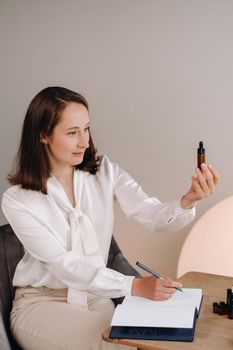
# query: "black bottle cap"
[201,149]
[215,308]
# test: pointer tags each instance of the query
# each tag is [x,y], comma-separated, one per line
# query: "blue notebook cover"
[155,333]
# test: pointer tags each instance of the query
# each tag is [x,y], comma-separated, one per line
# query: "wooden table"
[213,332]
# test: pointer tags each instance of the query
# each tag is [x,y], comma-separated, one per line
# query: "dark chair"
[11,251]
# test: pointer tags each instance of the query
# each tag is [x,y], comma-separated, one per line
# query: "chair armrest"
[117,262]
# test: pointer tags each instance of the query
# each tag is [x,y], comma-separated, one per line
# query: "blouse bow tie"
[84,242]
[83,239]
[83,235]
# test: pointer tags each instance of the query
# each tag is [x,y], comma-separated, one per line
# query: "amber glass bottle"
[200,154]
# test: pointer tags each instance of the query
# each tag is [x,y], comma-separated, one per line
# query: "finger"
[200,186]
[197,189]
[170,285]
[160,297]
[163,295]
[209,177]
[167,291]
[201,178]
[215,173]
[167,296]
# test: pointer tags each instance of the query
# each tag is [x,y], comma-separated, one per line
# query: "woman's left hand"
[203,185]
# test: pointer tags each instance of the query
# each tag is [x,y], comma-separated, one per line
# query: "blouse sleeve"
[50,258]
[149,211]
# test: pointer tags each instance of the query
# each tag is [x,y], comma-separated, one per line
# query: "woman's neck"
[65,177]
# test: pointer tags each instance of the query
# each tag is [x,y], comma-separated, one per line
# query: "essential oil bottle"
[200,154]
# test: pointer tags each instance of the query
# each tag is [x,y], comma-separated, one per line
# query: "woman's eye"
[72,133]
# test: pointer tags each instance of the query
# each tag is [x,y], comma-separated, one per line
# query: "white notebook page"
[177,312]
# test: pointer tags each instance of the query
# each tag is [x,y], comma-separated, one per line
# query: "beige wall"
[159,77]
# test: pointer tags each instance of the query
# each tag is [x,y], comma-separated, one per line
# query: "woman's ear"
[43,139]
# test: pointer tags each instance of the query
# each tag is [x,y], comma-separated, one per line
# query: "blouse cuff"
[127,285]
[180,210]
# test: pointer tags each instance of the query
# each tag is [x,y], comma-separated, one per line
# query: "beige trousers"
[41,319]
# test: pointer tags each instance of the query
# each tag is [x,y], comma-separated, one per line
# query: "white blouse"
[68,247]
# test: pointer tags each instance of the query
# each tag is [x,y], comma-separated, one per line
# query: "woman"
[60,205]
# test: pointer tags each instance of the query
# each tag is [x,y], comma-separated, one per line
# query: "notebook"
[173,319]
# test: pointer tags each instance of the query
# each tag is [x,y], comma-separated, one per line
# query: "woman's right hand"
[154,288]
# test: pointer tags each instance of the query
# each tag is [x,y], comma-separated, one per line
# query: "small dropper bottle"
[200,154]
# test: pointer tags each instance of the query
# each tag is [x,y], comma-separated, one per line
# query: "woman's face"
[70,138]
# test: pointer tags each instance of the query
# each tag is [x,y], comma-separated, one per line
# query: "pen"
[156,274]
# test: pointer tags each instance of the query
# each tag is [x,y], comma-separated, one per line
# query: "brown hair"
[32,168]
